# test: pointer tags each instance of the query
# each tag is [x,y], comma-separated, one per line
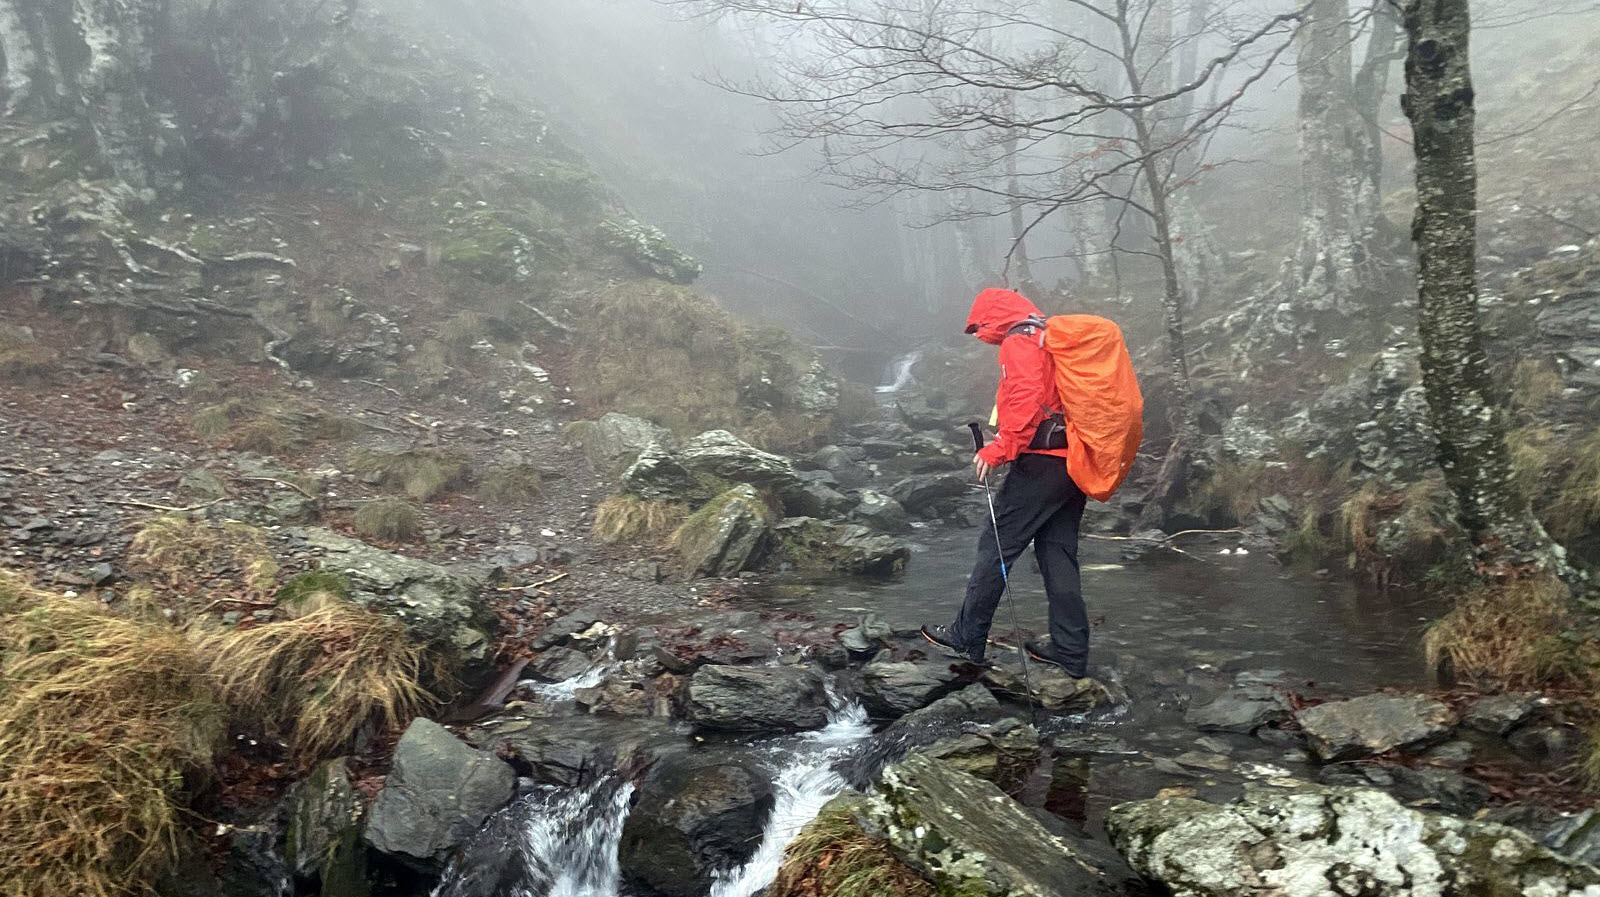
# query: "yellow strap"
[994,417]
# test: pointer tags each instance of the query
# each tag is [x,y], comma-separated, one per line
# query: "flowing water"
[900,373]
[1172,628]
[564,843]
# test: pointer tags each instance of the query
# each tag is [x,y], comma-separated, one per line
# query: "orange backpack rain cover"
[1105,410]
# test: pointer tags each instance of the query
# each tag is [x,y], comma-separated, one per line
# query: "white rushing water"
[566,844]
[803,787]
[570,847]
[902,373]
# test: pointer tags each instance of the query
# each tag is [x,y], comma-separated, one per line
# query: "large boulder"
[881,512]
[817,496]
[726,536]
[322,835]
[997,752]
[1241,710]
[691,818]
[895,688]
[658,476]
[564,753]
[723,456]
[444,607]
[968,838]
[436,796]
[926,493]
[757,699]
[847,548]
[614,442]
[1374,724]
[1331,842]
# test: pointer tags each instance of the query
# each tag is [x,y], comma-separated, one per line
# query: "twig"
[381,386]
[552,580]
[417,423]
[220,601]
[284,484]
[167,508]
[15,469]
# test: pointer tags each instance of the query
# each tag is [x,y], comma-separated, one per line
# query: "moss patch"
[183,554]
[834,857]
[625,517]
[389,520]
[419,473]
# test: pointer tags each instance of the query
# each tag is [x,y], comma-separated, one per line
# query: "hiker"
[1039,502]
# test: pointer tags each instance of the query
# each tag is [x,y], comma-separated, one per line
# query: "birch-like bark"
[1464,406]
[1332,268]
[21,57]
[116,36]
[1369,90]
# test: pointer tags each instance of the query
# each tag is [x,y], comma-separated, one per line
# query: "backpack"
[1100,392]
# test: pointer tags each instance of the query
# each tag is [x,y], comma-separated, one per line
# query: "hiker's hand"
[981,468]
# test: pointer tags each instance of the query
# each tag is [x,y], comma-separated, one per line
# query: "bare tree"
[946,97]
[1464,406]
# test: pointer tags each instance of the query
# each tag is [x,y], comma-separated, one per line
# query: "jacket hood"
[996,311]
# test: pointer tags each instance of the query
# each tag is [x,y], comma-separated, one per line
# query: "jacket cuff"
[992,454]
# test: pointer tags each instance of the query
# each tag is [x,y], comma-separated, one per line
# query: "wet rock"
[817,497]
[692,818]
[726,457]
[441,606]
[1577,837]
[562,752]
[658,476]
[648,249]
[972,704]
[1451,753]
[1499,714]
[726,536]
[1374,724]
[967,837]
[867,636]
[1241,710]
[998,753]
[881,512]
[1546,742]
[1054,690]
[926,492]
[559,664]
[438,793]
[1332,841]
[322,840]
[614,698]
[1425,787]
[1092,744]
[846,548]
[757,699]
[614,442]
[568,625]
[894,688]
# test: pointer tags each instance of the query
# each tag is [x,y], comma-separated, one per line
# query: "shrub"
[1518,634]
[623,517]
[389,519]
[101,721]
[322,675]
[420,473]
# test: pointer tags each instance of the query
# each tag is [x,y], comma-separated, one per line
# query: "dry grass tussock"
[318,678]
[390,520]
[1576,509]
[420,473]
[623,517]
[102,721]
[833,857]
[268,428]
[180,551]
[1520,634]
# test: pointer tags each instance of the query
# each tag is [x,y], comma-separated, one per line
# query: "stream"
[1170,629]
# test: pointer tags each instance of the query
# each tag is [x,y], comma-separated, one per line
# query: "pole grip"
[977,436]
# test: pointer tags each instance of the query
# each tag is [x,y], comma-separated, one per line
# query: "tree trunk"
[1332,268]
[1463,404]
[21,58]
[1018,251]
[118,37]
[1369,89]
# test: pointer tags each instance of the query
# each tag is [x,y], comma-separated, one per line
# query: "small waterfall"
[803,788]
[901,378]
[564,843]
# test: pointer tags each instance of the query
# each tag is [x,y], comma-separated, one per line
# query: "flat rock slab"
[437,795]
[893,688]
[1374,724]
[1052,689]
[970,839]
[1334,842]
[757,699]
[1499,714]
[1241,710]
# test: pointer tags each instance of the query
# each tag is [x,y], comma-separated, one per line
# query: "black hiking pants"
[1038,503]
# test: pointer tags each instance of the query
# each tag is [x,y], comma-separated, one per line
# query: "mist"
[800,448]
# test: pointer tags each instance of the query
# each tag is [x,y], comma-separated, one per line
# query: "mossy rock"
[727,535]
[296,589]
[649,250]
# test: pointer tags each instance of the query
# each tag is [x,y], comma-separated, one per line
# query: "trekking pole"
[1005,579]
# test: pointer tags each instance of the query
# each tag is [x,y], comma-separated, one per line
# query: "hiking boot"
[946,641]
[1044,652]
